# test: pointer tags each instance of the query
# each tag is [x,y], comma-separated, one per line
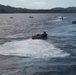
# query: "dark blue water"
[61,34]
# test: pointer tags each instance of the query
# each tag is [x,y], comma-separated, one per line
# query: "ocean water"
[21,55]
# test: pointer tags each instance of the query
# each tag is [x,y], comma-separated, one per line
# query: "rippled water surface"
[21,55]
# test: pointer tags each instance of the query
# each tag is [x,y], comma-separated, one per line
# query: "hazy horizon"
[39,4]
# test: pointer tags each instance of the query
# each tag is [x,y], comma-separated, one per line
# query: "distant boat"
[60,17]
[73,22]
[11,17]
[30,16]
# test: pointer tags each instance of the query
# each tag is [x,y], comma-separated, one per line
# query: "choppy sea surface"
[21,55]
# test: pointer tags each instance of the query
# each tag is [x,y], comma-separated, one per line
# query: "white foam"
[31,48]
[60,17]
[58,20]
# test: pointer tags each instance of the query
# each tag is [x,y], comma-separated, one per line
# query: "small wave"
[31,48]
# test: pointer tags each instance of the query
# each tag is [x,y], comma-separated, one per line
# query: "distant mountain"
[71,9]
[64,10]
[9,9]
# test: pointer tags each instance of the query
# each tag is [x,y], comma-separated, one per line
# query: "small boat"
[73,22]
[40,36]
[11,17]
[30,16]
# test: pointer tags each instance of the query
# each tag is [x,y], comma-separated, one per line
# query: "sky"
[39,4]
